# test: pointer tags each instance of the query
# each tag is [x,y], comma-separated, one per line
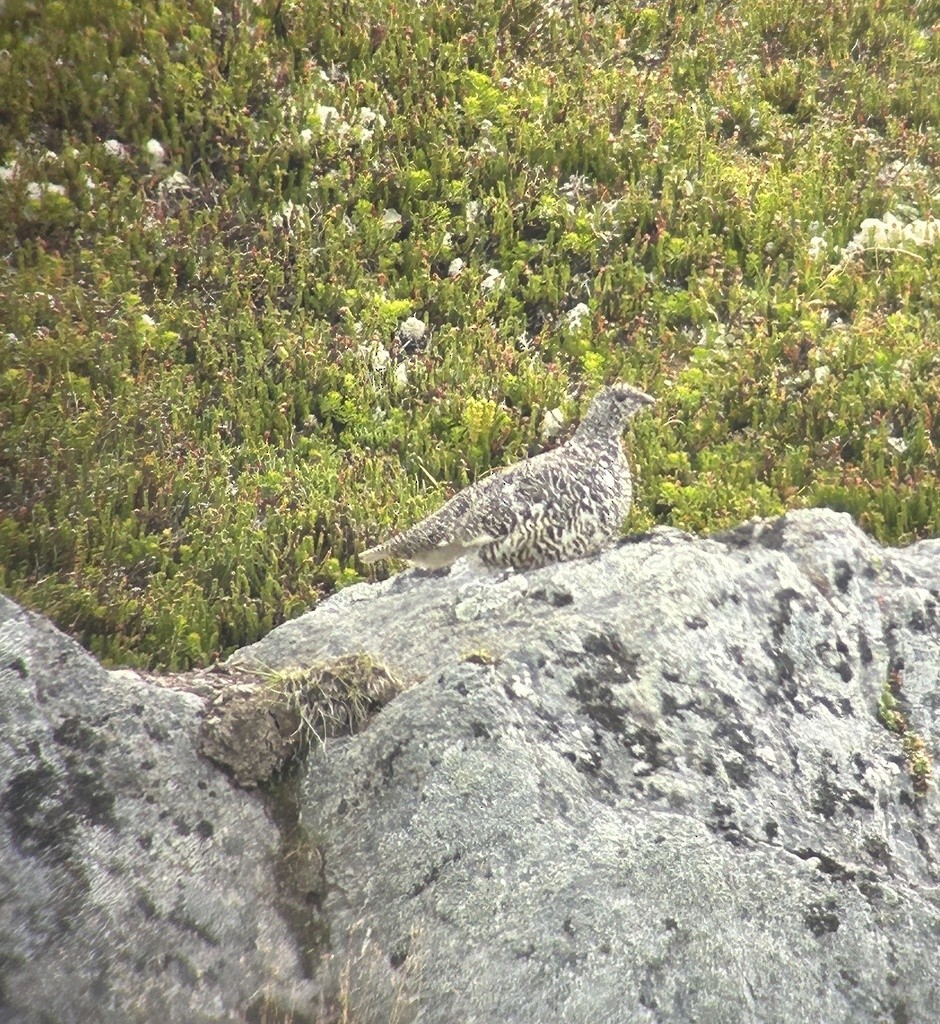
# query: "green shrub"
[208,403]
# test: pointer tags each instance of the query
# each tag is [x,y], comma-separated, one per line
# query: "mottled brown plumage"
[563,504]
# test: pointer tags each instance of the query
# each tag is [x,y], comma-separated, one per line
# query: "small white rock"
[176,182]
[456,266]
[380,358]
[370,118]
[376,354]
[327,115]
[391,218]
[412,330]
[898,444]
[821,374]
[577,315]
[817,247]
[553,423]
[116,149]
[156,153]
[493,280]
[35,190]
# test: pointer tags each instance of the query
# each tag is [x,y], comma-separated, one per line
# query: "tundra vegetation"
[279,275]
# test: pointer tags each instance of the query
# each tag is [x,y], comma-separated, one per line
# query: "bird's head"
[610,410]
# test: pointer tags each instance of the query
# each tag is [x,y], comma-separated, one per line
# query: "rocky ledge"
[686,780]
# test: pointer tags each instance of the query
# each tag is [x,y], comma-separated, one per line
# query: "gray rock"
[651,786]
[136,881]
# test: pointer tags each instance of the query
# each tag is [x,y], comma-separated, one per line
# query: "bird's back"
[562,504]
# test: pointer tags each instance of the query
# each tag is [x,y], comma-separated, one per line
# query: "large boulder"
[686,780]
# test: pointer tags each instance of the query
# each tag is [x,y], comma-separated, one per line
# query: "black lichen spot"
[861,801]
[77,735]
[738,773]
[397,957]
[771,537]
[771,830]
[821,919]
[90,798]
[900,1014]
[828,795]
[864,649]
[739,537]
[842,576]
[553,595]
[786,598]
[916,622]
[835,708]
[205,829]
[432,875]
[774,537]
[785,678]
[616,658]
[598,702]
[18,666]
[158,733]
[479,731]
[696,622]
[827,865]
[33,804]
[649,744]
[737,735]
[725,826]
[923,845]
[669,705]
[147,907]
[386,764]
[877,849]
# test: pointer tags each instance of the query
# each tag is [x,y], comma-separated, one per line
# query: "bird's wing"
[479,514]
[507,499]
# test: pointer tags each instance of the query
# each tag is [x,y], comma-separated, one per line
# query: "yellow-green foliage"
[206,404]
[916,754]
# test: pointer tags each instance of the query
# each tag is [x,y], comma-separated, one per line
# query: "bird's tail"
[377,553]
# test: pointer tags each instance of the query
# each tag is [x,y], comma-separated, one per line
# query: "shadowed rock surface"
[651,786]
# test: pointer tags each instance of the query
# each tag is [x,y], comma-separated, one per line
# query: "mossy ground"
[206,405]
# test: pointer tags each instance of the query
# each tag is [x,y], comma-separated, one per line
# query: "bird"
[563,504]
